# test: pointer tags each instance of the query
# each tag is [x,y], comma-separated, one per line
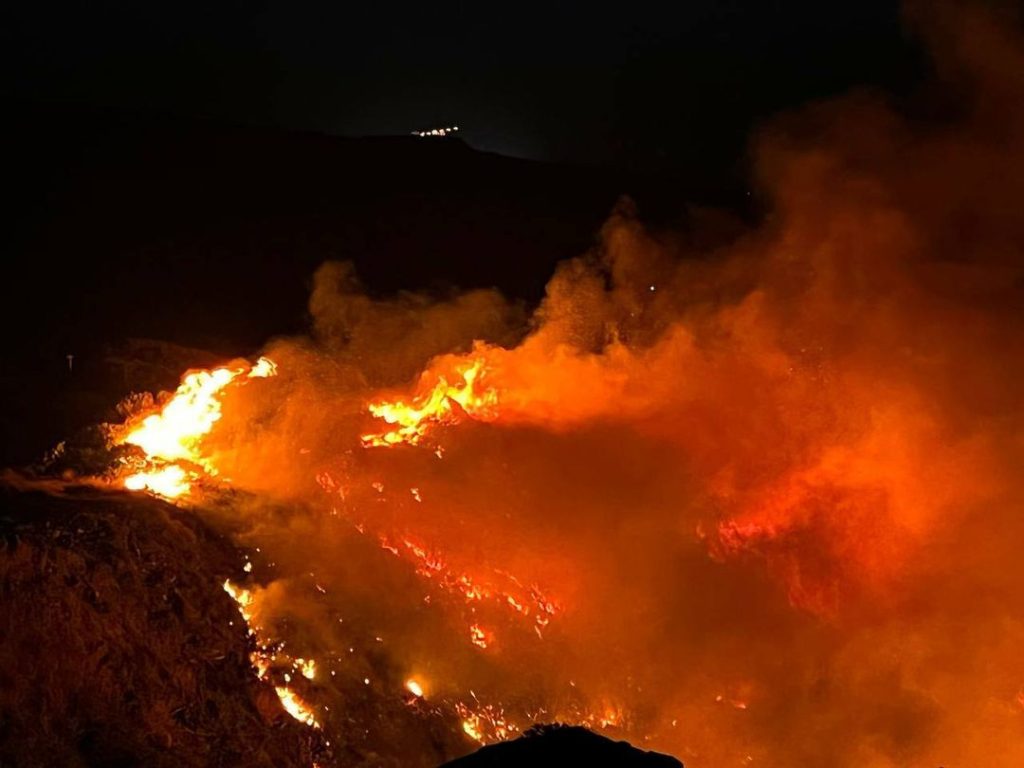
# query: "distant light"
[438,132]
[652,287]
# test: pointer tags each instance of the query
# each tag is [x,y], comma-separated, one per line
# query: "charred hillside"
[119,647]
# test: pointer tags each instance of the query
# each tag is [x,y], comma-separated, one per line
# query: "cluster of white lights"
[448,130]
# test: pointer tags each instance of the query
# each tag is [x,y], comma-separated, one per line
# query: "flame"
[412,421]
[296,707]
[172,435]
[176,430]
[306,667]
[471,727]
[264,368]
[241,596]
[170,482]
[414,687]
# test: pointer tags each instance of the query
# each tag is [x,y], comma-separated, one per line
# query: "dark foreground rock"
[563,746]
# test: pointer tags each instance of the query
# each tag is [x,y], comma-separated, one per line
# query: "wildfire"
[444,404]
[171,437]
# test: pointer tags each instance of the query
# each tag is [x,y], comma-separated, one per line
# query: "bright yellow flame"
[169,482]
[175,431]
[173,434]
[295,706]
[412,421]
[413,687]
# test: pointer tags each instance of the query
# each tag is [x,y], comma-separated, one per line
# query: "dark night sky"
[635,84]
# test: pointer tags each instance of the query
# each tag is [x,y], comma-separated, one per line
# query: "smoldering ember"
[432,434]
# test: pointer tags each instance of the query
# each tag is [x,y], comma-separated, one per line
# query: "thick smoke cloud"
[774,487]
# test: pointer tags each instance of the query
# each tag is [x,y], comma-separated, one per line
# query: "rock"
[563,746]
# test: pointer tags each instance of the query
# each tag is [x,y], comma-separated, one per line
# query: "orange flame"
[411,421]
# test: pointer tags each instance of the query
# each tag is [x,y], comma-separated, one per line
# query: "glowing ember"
[504,590]
[413,687]
[480,636]
[611,717]
[485,724]
[306,667]
[412,421]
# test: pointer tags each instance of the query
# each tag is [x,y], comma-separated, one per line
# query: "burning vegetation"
[758,505]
